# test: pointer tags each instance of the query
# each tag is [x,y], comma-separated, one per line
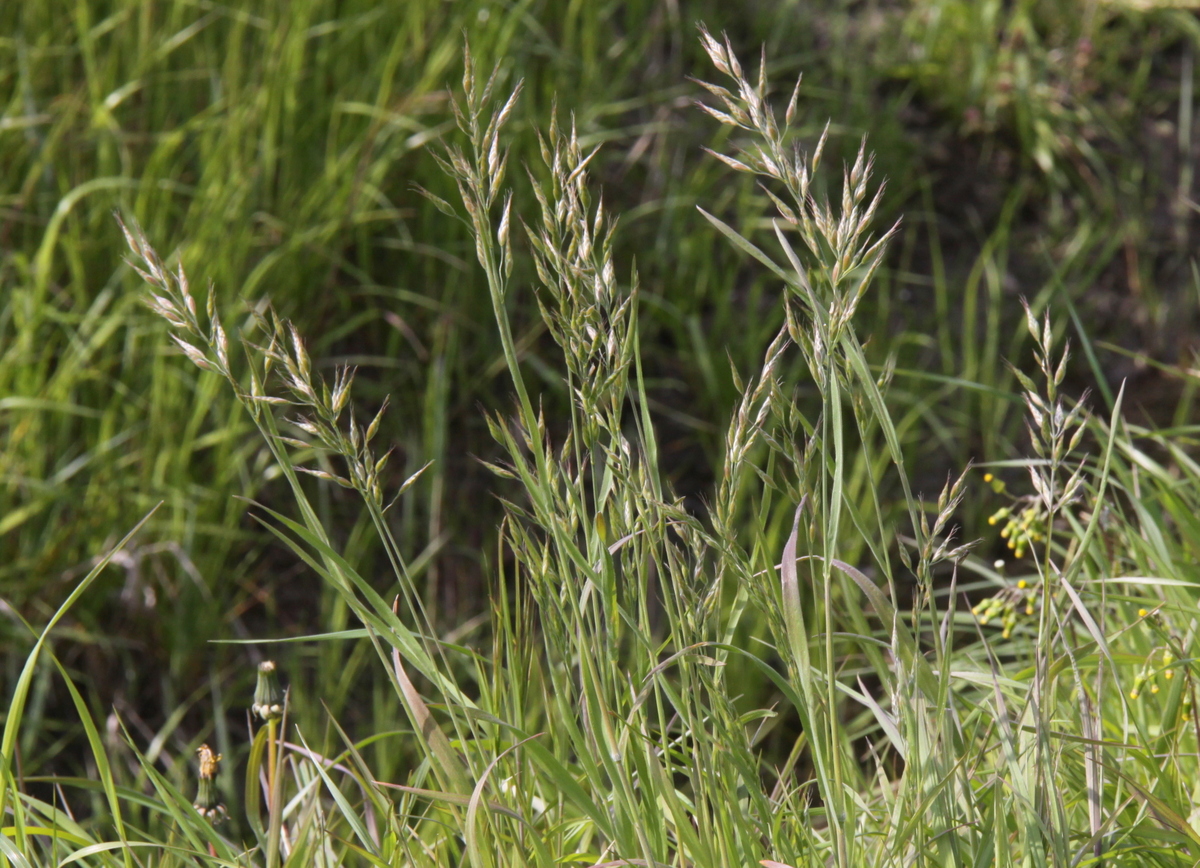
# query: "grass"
[718,620]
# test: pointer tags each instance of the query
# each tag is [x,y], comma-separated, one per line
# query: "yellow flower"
[209,762]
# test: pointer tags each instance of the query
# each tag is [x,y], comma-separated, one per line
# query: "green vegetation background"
[1042,150]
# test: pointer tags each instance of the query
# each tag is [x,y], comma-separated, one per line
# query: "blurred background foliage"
[1037,149]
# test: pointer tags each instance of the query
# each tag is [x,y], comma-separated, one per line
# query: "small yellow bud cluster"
[1163,662]
[996,484]
[1006,605]
[1021,529]
[1152,669]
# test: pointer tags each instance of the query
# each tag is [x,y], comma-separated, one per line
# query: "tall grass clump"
[616,716]
[271,146]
